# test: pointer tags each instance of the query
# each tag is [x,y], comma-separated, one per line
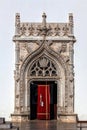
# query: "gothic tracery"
[43,67]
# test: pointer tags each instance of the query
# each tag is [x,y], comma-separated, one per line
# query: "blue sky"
[31,10]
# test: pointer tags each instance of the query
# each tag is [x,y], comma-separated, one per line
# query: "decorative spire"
[44,19]
[17,24]
[43,30]
[71,22]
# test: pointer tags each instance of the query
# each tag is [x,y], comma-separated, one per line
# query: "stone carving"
[28,48]
[44,31]
[58,47]
[61,30]
[71,77]
[44,51]
[31,30]
[37,30]
[65,30]
[43,62]
[43,67]
[16,76]
[57,31]
[22,30]
[27,29]
[17,102]
[41,29]
[66,59]
[31,47]
[63,47]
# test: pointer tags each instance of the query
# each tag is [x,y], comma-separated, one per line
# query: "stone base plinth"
[69,118]
[19,117]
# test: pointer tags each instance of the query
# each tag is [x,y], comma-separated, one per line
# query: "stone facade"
[43,52]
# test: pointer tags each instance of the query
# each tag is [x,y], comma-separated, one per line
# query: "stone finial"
[71,22]
[44,20]
[17,23]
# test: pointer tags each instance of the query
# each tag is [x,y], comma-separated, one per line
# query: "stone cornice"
[40,38]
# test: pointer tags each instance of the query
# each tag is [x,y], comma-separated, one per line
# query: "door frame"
[54,106]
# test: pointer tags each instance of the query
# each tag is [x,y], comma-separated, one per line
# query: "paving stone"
[46,125]
[14,128]
[6,126]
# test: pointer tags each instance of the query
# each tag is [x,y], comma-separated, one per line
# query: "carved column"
[58,97]
[16,76]
[17,55]
[71,79]
[66,92]
[28,97]
[26,94]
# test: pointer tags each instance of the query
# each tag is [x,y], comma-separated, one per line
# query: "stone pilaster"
[17,77]
[71,79]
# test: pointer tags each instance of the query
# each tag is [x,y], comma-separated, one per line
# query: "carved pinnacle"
[71,22]
[44,19]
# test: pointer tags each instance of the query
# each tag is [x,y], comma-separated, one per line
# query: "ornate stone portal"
[44,53]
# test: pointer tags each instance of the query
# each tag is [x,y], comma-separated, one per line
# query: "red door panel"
[43,103]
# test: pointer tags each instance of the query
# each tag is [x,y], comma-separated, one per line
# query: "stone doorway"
[44,52]
[34,99]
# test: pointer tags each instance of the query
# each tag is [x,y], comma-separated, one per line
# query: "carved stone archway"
[36,70]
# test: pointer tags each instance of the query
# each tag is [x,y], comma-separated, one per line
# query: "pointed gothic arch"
[45,51]
[43,67]
[56,73]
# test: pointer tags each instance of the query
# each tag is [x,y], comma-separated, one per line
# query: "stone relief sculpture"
[51,30]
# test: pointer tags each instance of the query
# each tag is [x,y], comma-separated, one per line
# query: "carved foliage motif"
[27,29]
[63,47]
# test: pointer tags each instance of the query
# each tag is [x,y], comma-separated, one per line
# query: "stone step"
[2,120]
[6,125]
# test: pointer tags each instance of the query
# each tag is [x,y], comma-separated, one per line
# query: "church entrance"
[43,100]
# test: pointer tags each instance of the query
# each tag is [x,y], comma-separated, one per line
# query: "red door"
[43,102]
